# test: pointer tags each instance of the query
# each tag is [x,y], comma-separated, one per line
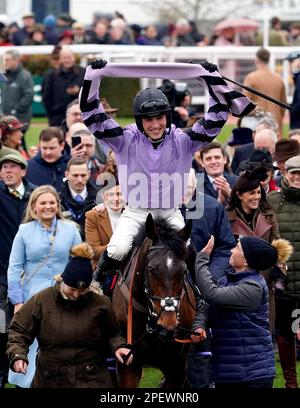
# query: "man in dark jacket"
[212,222]
[61,86]
[217,181]
[49,165]
[17,91]
[78,194]
[15,191]
[262,140]
[241,154]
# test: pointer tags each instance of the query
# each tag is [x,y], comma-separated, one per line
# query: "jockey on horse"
[153,147]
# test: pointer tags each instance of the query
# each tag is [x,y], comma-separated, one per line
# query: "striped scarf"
[234,102]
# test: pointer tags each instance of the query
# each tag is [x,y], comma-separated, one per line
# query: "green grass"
[152,376]
[227,130]
[37,124]
[40,123]
[39,119]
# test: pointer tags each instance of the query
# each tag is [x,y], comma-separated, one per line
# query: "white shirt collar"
[83,193]
[20,189]
[210,178]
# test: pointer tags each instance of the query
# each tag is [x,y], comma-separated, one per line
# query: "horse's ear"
[185,232]
[150,228]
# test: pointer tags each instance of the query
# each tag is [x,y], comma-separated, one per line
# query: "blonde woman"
[40,250]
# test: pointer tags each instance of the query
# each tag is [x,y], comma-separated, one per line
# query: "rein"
[129,316]
[190,332]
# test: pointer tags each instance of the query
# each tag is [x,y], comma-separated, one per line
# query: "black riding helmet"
[148,103]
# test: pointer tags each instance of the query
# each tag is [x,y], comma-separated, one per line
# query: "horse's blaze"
[168,320]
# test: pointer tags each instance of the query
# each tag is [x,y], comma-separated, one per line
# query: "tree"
[196,10]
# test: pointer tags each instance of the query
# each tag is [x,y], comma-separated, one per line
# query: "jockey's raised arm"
[153,156]
[222,99]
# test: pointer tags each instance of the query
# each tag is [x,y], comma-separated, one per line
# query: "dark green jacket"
[286,204]
[73,338]
[17,94]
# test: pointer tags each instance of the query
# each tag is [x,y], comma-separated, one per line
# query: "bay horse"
[152,300]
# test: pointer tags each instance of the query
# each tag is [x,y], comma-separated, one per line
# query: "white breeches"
[129,225]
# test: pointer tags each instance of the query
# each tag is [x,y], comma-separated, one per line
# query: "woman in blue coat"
[242,348]
[40,251]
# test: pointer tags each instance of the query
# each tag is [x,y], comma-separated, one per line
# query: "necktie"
[16,194]
[78,198]
[215,186]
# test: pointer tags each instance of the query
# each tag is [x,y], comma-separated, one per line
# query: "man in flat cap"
[15,191]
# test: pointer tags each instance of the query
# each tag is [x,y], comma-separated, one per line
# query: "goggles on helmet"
[153,108]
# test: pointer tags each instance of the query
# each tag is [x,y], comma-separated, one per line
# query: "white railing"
[243,56]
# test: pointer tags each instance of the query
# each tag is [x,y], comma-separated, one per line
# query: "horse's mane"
[165,234]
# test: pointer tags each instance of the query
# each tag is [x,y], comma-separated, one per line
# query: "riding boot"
[287,355]
[106,266]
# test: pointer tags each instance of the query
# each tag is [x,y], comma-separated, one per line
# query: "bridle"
[167,304]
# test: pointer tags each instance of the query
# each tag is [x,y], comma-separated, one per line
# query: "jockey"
[153,156]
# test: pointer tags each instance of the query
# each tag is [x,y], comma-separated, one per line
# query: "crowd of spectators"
[114,29]
[67,173]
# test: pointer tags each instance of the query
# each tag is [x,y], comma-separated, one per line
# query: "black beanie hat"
[259,254]
[78,272]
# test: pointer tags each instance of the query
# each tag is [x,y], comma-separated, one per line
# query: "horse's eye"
[151,269]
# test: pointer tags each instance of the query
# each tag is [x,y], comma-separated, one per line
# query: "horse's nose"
[168,320]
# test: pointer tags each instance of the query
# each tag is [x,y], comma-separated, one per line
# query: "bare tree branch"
[199,9]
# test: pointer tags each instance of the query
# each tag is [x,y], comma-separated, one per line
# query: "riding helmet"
[150,102]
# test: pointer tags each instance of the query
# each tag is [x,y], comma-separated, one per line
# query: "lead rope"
[129,315]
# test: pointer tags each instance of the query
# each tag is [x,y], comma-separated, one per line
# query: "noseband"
[167,304]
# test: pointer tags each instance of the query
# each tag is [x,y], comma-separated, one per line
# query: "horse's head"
[166,266]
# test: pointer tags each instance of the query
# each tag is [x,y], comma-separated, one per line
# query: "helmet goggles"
[152,108]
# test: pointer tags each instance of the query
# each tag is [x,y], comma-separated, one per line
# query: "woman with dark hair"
[250,214]
[248,211]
